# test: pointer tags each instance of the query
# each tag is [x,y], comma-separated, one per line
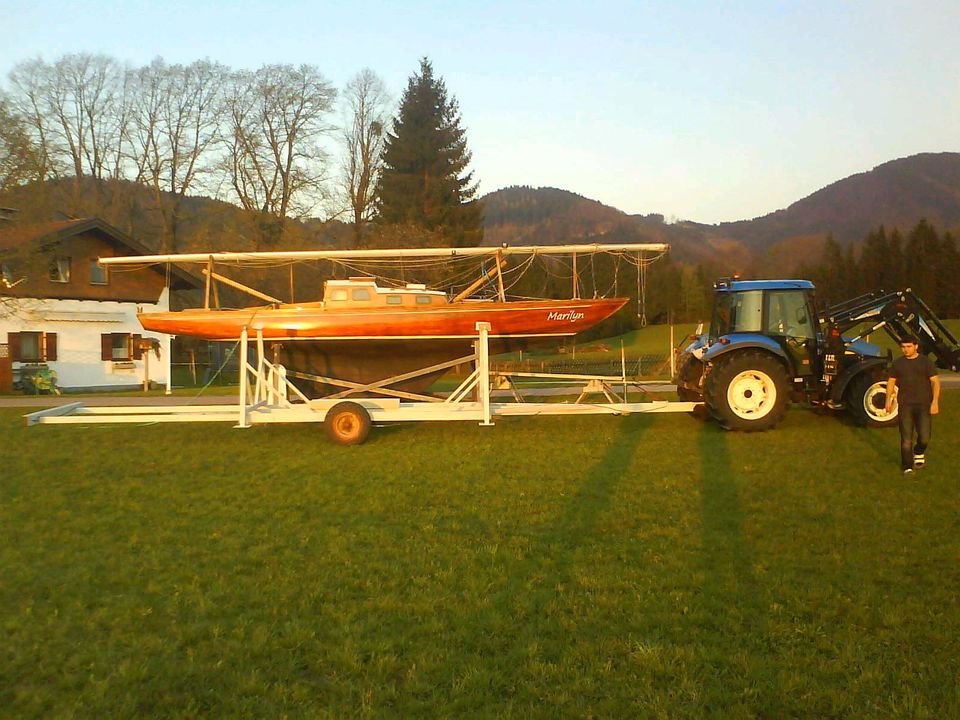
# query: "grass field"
[640,567]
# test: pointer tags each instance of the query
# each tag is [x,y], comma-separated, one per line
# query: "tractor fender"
[839,386]
[743,341]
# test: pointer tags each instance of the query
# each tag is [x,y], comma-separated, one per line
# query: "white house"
[62,311]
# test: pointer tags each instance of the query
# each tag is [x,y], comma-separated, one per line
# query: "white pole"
[168,349]
[483,362]
[243,377]
[673,355]
[623,369]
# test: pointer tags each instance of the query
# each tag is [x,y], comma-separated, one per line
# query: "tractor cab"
[777,315]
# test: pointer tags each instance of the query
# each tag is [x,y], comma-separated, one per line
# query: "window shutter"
[137,350]
[51,350]
[13,341]
[106,346]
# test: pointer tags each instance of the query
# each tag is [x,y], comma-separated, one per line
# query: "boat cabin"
[364,292]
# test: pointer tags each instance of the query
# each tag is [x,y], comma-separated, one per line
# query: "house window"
[338,295]
[60,269]
[30,347]
[360,294]
[98,274]
[120,347]
[394,300]
[424,300]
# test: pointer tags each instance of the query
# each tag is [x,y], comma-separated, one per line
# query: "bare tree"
[363,136]
[176,119]
[77,109]
[277,119]
[19,157]
[30,80]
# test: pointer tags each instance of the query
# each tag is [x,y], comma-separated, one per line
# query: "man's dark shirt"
[913,380]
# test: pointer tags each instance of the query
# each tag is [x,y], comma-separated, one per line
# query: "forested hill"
[522,215]
[897,194]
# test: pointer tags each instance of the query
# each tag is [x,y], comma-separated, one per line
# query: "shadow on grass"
[885,442]
[532,607]
[734,606]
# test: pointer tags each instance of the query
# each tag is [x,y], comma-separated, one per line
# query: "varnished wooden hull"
[367,345]
[555,318]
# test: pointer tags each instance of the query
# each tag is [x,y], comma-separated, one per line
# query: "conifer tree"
[425,184]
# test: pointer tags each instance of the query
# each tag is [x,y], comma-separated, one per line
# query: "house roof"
[17,236]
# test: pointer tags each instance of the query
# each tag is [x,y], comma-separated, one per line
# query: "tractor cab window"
[788,315]
[737,312]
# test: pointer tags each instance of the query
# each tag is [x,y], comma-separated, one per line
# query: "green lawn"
[647,566]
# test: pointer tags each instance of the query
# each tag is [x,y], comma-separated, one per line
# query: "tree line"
[924,260]
[268,140]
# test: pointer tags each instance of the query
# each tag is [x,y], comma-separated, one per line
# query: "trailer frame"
[266,395]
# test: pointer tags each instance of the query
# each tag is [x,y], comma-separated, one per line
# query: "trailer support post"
[244,380]
[483,369]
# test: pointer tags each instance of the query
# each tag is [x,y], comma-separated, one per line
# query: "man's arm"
[935,387]
[891,394]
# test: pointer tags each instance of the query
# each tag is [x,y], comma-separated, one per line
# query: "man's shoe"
[919,461]
[908,471]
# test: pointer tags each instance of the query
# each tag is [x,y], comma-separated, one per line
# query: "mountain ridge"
[898,193]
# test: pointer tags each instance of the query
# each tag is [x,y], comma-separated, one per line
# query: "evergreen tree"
[875,261]
[896,268]
[948,270]
[921,258]
[830,276]
[425,183]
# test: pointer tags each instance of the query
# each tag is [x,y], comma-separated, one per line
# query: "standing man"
[915,384]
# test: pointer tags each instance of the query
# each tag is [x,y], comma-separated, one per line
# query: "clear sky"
[705,111]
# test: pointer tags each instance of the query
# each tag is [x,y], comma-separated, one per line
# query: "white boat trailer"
[268,396]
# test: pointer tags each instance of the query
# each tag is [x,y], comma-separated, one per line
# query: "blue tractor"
[768,346]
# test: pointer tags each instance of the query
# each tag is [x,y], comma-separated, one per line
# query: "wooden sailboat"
[361,331]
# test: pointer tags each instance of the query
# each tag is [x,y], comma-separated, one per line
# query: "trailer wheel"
[747,391]
[865,398]
[347,423]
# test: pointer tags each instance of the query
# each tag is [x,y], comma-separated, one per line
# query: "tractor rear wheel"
[865,398]
[747,390]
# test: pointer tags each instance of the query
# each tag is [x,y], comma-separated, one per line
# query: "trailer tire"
[747,390]
[865,398]
[347,423]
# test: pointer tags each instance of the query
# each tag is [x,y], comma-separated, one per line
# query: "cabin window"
[394,300]
[60,269]
[338,294]
[32,346]
[98,274]
[120,347]
[424,300]
[360,294]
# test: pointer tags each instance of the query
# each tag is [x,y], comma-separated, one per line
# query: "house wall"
[79,325]
[137,286]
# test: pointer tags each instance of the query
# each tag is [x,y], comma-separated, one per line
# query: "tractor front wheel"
[865,398]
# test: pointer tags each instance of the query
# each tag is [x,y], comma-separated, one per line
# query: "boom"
[391,253]
[900,314]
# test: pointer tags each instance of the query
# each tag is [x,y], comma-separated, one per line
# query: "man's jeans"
[913,419]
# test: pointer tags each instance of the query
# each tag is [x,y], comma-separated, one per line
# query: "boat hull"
[532,318]
[365,346]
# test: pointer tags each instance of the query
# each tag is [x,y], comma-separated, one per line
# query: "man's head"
[909,347]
